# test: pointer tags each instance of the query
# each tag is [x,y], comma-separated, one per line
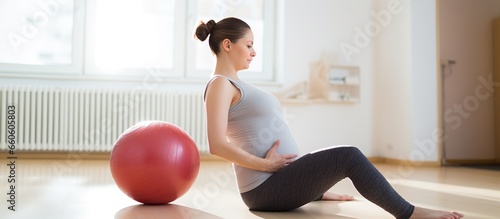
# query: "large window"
[124,38]
[40,36]
[132,34]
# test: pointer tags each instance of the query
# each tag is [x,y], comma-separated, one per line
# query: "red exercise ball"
[154,162]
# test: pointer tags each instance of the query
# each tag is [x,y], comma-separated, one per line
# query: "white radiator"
[71,119]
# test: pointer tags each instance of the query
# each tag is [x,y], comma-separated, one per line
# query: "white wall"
[311,28]
[398,113]
[406,90]
[424,75]
[392,85]
[466,37]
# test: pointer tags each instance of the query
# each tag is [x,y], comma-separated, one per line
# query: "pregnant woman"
[245,127]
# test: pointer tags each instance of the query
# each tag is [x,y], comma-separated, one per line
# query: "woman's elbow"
[214,149]
[217,147]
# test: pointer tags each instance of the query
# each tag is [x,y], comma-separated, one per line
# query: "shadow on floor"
[162,211]
[325,209]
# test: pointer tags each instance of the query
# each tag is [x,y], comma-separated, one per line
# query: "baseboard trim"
[475,161]
[383,160]
[376,159]
[209,157]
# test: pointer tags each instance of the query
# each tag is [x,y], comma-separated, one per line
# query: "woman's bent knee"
[338,148]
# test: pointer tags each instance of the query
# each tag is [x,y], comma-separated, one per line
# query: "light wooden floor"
[85,189]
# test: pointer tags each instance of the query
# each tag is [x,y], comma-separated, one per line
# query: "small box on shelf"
[343,83]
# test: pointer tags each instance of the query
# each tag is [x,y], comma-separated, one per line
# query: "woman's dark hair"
[228,28]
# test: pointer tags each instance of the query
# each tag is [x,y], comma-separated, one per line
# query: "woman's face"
[242,51]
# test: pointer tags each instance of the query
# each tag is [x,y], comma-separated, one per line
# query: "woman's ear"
[226,45]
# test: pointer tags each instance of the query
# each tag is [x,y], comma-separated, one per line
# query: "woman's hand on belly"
[277,161]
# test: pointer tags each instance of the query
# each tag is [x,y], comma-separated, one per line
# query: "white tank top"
[255,122]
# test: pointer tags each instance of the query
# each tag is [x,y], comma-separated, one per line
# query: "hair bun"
[204,29]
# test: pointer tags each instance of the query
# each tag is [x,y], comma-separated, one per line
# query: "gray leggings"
[310,176]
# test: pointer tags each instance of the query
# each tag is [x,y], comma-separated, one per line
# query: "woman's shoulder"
[224,78]
[219,85]
[219,81]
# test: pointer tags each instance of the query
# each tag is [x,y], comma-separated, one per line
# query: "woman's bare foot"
[328,196]
[424,213]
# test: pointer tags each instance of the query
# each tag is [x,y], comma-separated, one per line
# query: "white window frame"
[77,51]
[82,66]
